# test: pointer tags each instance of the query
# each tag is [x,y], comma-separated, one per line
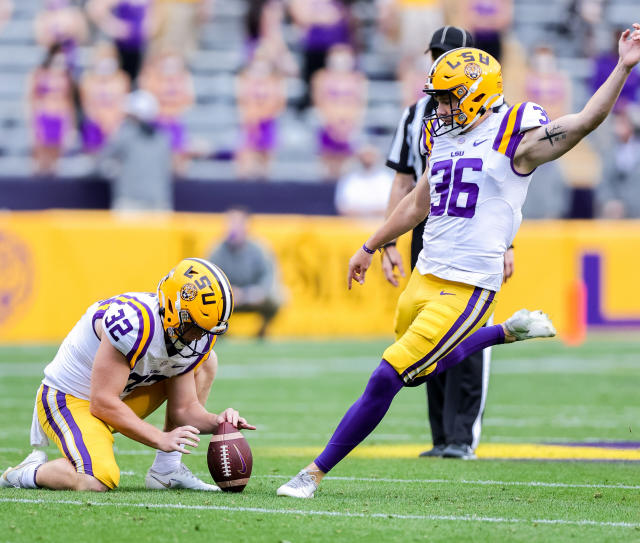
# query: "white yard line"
[480,482]
[300,512]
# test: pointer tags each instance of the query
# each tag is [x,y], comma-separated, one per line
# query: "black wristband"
[390,244]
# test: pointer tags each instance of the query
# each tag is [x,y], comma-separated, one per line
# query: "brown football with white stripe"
[229,458]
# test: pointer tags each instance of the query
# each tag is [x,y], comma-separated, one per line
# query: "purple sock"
[362,417]
[481,338]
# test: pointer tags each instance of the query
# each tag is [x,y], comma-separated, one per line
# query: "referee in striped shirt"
[456,397]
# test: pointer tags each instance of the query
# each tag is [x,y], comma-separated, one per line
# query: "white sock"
[166,462]
[28,477]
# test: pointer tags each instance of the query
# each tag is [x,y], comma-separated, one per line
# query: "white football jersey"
[476,197]
[133,325]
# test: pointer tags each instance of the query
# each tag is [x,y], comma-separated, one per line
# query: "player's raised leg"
[385,382]
[168,471]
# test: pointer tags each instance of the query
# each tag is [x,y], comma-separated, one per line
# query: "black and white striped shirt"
[404,155]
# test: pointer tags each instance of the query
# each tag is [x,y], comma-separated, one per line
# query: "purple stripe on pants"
[480,339]
[61,400]
[465,315]
[52,422]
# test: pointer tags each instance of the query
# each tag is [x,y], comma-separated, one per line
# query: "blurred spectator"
[365,191]
[406,22]
[582,168]
[178,25]
[251,270]
[339,94]
[62,23]
[138,159]
[261,97]
[264,25]
[323,23]
[546,84]
[51,109]
[618,194]
[412,73]
[167,78]
[129,24]
[103,89]
[488,21]
[6,10]
[604,63]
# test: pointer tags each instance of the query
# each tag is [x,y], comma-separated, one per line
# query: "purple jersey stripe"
[503,127]
[200,357]
[52,422]
[133,302]
[515,135]
[459,322]
[98,315]
[61,400]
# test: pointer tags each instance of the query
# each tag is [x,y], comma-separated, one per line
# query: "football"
[229,458]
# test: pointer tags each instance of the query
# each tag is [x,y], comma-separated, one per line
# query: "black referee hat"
[450,37]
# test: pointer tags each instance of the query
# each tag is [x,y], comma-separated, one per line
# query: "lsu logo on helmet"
[198,293]
[474,78]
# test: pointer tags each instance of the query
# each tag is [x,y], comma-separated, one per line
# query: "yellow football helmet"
[196,293]
[470,76]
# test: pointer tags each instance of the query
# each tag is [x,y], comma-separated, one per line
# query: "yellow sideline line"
[488,450]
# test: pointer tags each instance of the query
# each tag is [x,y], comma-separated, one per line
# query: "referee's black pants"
[456,397]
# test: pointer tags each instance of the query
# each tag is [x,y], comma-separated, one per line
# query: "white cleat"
[302,485]
[180,478]
[525,324]
[11,477]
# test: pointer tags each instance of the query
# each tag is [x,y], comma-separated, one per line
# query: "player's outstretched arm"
[184,408]
[553,140]
[411,210]
[109,377]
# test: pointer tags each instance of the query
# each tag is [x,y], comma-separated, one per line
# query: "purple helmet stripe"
[87,466]
[225,287]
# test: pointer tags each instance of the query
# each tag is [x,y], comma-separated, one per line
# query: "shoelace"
[184,469]
[302,479]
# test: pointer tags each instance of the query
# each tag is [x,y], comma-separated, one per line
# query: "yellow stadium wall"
[54,264]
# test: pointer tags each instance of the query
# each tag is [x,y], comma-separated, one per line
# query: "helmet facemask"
[188,348]
[452,123]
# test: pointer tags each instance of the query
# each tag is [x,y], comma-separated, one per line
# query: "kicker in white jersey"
[476,197]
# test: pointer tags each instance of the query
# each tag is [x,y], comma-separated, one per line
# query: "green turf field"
[295,392]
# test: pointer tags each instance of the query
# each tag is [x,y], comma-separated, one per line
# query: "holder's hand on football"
[178,438]
[232,416]
[358,266]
